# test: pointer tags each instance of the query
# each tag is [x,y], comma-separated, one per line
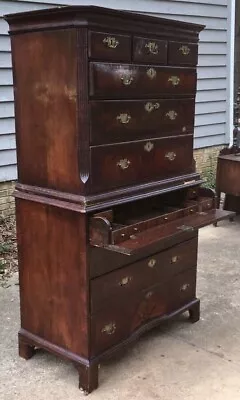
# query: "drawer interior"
[129,219]
[130,227]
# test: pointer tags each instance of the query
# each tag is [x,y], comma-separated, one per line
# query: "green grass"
[4,248]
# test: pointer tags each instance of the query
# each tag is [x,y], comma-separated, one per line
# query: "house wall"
[213,111]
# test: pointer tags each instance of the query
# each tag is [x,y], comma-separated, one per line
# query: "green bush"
[209,174]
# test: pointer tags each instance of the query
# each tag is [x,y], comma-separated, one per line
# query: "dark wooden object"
[228,168]
[108,202]
[228,182]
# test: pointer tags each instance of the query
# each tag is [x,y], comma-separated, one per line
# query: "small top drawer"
[107,46]
[149,50]
[182,53]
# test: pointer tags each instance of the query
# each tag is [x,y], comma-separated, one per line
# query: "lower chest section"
[129,298]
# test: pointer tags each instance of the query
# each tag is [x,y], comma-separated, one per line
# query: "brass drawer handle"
[172,115]
[123,163]
[124,281]
[149,107]
[109,329]
[126,80]
[175,80]
[170,155]
[184,287]
[151,73]
[111,42]
[152,262]
[124,118]
[148,146]
[152,47]
[185,50]
[174,259]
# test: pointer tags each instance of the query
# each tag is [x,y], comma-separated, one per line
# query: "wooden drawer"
[121,318]
[108,46]
[128,280]
[124,80]
[182,53]
[124,164]
[122,121]
[149,50]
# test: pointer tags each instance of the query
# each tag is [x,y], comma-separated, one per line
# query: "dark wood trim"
[83,108]
[75,16]
[36,341]
[107,199]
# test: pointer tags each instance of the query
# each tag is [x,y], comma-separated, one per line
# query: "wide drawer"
[122,121]
[149,50]
[121,318]
[128,280]
[182,53]
[109,46]
[124,164]
[126,80]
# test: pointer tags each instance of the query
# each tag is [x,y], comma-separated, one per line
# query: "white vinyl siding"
[213,113]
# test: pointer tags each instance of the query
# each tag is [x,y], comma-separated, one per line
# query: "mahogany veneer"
[108,202]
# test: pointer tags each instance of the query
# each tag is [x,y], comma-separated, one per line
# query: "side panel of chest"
[46,108]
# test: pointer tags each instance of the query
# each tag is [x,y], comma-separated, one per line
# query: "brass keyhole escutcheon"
[123,163]
[148,146]
[170,156]
[175,80]
[109,329]
[124,118]
[149,107]
[126,80]
[125,281]
[184,287]
[148,295]
[185,50]
[152,47]
[172,115]
[151,73]
[111,42]
[152,262]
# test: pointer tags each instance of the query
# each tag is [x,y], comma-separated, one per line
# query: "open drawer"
[133,227]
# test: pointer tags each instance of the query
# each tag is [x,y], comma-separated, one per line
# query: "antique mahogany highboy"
[108,202]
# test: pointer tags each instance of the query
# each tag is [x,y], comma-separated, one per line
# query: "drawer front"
[108,46]
[142,274]
[149,50]
[122,121]
[182,53]
[123,80]
[120,319]
[128,163]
